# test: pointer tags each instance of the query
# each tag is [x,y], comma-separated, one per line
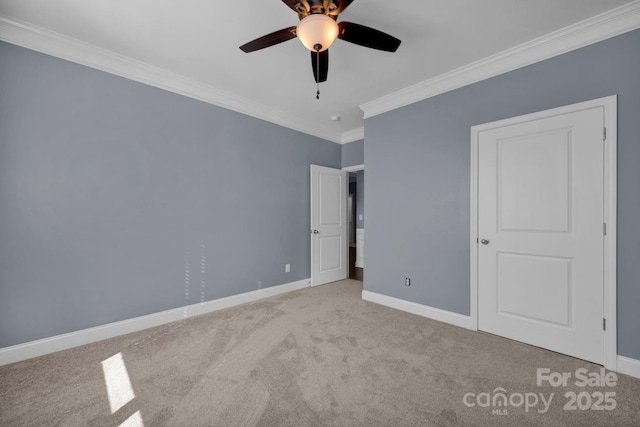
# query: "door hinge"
[604,134]
[604,324]
[604,228]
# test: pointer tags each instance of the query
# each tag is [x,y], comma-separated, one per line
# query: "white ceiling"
[199,39]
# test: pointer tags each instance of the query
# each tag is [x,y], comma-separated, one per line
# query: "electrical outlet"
[407,281]
[287,268]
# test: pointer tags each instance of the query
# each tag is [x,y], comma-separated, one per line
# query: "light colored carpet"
[314,357]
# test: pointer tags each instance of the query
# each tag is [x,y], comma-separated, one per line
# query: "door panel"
[328,225]
[330,252]
[329,208]
[530,200]
[540,218]
[533,287]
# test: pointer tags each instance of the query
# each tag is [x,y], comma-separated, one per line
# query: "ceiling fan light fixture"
[317,30]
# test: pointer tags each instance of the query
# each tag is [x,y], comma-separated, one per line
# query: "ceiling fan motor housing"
[304,7]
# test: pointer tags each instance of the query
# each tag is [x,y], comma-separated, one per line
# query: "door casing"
[609,105]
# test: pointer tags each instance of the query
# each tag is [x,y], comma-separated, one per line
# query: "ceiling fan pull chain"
[317,71]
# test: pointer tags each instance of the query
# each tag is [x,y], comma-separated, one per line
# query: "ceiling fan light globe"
[317,29]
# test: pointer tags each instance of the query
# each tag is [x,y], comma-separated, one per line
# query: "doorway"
[356,222]
[543,229]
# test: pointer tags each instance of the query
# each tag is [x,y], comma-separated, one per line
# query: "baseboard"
[419,309]
[629,366]
[43,346]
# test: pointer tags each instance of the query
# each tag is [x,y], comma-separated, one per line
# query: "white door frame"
[610,142]
[354,168]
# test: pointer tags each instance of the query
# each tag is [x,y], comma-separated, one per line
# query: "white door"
[540,232]
[328,225]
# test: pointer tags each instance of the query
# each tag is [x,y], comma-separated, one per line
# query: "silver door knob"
[315,231]
[484,241]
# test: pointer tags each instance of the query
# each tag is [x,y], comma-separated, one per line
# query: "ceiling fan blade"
[368,37]
[320,71]
[270,40]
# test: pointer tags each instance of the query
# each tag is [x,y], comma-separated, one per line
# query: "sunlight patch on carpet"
[116,378]
[134,420]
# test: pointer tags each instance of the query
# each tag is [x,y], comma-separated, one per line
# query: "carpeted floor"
[314,357]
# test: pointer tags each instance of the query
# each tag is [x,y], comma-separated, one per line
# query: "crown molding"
[74,50]
[589,31]
[592,30]
[352,135]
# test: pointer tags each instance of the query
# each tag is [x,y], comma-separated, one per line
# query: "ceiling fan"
[318,29]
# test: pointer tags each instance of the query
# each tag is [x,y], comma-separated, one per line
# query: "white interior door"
[328,225]
[540,231]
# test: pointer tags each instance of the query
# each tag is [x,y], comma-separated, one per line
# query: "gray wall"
[110,190]
[417,161]
[353,153]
